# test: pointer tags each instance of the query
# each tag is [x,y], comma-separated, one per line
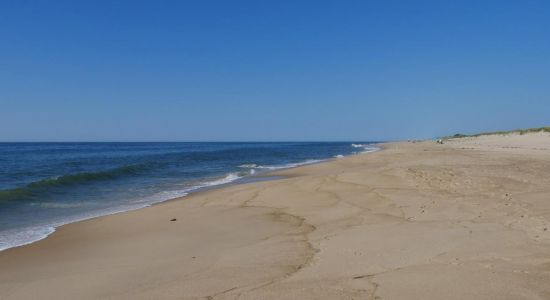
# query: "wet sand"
[469,219]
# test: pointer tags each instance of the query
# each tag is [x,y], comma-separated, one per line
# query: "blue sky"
[271,70]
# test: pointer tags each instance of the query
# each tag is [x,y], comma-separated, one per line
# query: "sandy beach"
[469,219]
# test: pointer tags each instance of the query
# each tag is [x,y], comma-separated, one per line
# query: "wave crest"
[34,188]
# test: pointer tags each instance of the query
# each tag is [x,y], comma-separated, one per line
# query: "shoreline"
[48,231]
[416,220]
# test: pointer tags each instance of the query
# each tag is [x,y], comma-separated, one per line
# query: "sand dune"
[469,219]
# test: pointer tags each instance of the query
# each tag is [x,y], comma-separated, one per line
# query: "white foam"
[366,148]
[227,179]
[27,235]
[338,156]
[290,165]
[370,149]
[18,237]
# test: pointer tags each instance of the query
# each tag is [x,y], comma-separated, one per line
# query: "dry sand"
[469,219]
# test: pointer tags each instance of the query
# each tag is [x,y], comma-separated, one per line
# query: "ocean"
[46,185]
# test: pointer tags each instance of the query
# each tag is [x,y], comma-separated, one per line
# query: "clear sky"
[271,70]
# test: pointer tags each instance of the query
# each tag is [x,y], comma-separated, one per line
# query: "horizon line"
[203,141]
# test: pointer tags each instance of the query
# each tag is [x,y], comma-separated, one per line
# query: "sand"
[469,219]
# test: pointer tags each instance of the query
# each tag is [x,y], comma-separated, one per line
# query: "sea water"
[45,185]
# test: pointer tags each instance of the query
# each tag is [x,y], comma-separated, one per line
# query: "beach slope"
[469,219]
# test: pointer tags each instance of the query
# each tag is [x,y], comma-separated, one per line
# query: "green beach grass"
[515,131]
